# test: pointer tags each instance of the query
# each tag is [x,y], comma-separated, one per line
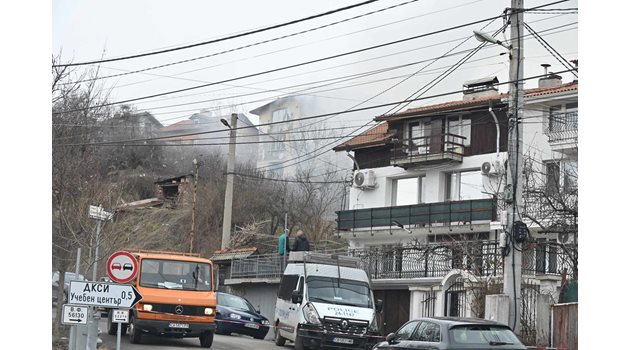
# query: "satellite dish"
[486,167]
[359,178]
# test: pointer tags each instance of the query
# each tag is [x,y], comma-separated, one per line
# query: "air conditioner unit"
[491,169]
[364,179]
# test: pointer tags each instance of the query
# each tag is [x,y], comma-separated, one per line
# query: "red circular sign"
[122,267]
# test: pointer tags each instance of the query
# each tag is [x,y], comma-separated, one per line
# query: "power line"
[220,39]
[245,46]
[289,66]
[550,48]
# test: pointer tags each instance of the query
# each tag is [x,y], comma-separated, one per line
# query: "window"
[563,117]
[287,286]
[428,331]
[280,115]
[561,175]
[461,127]
[405,332]
[481,334]
[418,134]
[408,191]
[570,175]
[465,185]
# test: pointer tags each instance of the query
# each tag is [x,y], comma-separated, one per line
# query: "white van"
[326,300]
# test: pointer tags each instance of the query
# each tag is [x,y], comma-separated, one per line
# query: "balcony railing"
[419,214]
[481,258]
[432,149]
[562,126]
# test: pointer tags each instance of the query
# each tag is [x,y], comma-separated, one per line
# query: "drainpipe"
[496,122]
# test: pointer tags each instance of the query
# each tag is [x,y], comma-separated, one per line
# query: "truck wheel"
[206,339]
[299,343]
[278,339]
[135,335]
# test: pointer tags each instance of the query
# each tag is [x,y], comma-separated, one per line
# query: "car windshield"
[333,290]
[170,274]
[234,302]
[483,334]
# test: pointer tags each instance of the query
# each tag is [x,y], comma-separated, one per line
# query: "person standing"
[283,244]
[301,243]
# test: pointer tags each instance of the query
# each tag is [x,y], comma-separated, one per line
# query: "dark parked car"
[55,284]
[237,315]
[451,333]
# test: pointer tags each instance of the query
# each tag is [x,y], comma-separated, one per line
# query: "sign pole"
[119,326]
[73,329]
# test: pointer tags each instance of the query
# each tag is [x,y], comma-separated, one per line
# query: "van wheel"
[278,339]
[135,335]
[206,339]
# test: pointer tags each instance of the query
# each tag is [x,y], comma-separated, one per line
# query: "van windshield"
[333,290]
[170,274]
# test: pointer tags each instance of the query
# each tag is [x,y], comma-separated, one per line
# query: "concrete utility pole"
[514,205]
[229,186]
[194,200]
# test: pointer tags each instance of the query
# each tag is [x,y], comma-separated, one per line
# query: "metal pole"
[94,268]
[512,262]
[73,329]
[229,186]
[117,334]
[192,225]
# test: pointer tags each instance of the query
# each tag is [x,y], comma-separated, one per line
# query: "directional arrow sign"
[74,314]
[103,294]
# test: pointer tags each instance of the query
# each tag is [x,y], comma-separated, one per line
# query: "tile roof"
[371,137]
[378,135]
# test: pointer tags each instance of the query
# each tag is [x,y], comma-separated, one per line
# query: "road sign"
[103,294]
[120,316]
[122,267]
[99,213]
[74,314]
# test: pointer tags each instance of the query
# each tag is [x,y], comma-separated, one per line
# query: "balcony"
[480,258]
[443,213]
[562,131]
[428,150]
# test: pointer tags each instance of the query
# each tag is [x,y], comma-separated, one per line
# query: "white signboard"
[99,213]
[103,294]
[74,314]
[120,316]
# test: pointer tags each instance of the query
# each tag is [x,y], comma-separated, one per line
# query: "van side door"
[284,307]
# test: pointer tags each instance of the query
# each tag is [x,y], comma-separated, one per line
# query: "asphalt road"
[221,342]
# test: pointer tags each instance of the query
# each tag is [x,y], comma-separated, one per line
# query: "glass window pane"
[471,186]
[407,191]
[405,332]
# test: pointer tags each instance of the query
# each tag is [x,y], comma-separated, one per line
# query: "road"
[221,342]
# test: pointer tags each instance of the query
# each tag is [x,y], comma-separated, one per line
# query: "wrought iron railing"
[562,126]
[419,214]
[481,258]
[429,148]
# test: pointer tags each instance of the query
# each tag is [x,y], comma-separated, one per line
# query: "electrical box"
[520,232]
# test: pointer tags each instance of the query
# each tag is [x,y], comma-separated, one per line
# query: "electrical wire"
[345,8]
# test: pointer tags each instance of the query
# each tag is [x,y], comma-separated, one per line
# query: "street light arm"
[483,37]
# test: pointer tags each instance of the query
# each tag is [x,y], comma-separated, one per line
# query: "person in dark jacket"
[301,243]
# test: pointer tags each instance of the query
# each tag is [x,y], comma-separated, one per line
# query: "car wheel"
[206,339]
[135,335]
[278,339]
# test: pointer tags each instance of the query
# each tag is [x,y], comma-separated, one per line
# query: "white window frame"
[421,182]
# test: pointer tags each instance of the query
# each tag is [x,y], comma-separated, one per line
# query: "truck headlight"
[235,316]
[310,314]
[208,311]
[373,327]
[147,307]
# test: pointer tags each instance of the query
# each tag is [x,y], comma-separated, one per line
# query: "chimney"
[550,79]
[474,89]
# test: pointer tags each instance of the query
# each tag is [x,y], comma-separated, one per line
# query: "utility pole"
[514,187]
[229,185]
[194,200]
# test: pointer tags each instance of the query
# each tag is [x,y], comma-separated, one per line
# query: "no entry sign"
[122,267]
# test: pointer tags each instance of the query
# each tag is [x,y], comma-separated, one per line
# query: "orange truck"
[178,298]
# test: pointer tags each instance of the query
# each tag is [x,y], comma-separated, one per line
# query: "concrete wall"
[262,296]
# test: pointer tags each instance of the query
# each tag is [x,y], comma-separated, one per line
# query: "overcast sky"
[87,30]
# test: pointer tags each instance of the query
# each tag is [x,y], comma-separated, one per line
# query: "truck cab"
[178,298]
[326,300]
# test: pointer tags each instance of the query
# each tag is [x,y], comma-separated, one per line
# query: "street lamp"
[229,185]
[513,199]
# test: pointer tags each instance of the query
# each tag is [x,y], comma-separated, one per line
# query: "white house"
[428,189]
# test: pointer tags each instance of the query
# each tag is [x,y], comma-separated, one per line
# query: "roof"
[372,137]
[378,135]
[229,254]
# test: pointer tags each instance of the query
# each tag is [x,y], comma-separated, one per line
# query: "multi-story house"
[424,208]
[290,141]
